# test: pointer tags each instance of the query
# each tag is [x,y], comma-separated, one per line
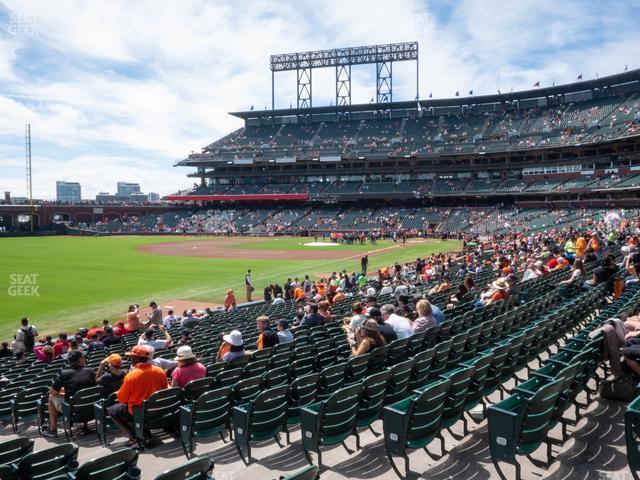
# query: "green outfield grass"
[82,279]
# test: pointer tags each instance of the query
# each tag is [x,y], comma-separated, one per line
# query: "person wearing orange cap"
[229,301]
[111,379]
[138,385]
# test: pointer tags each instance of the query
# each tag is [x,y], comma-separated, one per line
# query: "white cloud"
[129,87]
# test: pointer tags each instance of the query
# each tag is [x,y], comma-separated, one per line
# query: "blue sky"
[121,90]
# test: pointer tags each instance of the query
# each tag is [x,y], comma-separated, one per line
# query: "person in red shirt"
[138,385]
[61,346]
[120,329]
[229,301]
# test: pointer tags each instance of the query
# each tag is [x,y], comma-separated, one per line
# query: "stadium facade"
[570,143]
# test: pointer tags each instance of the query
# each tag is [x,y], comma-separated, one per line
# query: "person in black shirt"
[67,384]
[110,338]
[384,328]
[111,379]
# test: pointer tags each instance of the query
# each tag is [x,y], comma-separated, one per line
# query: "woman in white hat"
[188,367]
[236,346]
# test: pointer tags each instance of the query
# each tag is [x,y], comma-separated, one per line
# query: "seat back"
[80,406]
[302,391]
[494,373]
[539,410]
[161,409]
[378,359]
[47,463]
[440,358]
[338,417]
[246,390]
[421,368]
[113,466]
[13,450]
[195,388]
[356,369]
[425,411]
[461,379]
[398,350]
[308,473]
[414,421]
[481,364]
[25,403]
[268,413]
[372,398]
[196,469]
[399,381]
[211,412]
[331,379]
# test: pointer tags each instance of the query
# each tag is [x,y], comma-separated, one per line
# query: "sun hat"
[234,338]
[229,292]
[184,353]
[500,284]
[141,351]
[114,359]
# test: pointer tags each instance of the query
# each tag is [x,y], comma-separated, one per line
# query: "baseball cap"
[114,359]
[141,351]
[74,356]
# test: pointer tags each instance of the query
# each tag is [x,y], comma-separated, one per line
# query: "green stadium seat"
[80,408]
[197,469]
[208,416]
[25,405]
[415,422]
[48,463]
[13,450]
[632,437]
[302,391]
[160,410]
[195,388]
[374,388]
[331,421]
[262,418]
[421,368]
[104,423]
[330,380]
[308,473]
[519,425]
[399,381]
[120,465]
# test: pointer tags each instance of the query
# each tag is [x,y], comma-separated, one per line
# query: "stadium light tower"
[27,145]
[342,59]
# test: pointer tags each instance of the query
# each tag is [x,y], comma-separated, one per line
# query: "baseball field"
[65,282]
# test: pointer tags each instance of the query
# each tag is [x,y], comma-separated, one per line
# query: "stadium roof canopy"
[602,83]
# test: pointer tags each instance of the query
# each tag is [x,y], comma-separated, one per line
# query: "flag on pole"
[580,77]
[537,84]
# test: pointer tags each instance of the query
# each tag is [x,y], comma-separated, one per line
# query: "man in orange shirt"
[138,385]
